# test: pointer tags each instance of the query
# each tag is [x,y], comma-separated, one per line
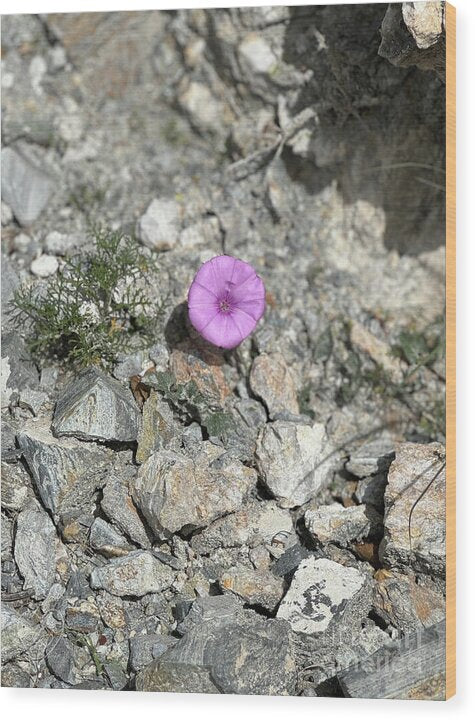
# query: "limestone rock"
[217,610]
[406,604]
[254,587]
[121,511]
[414,519]
[338,524]
[44,266]
[106,540]
[15,486]
[295,460]
[175,492]
[159,227]
[254,524]
[66,471]
[163,676]
[370,458]
[25,187]
[18,633]
[35,552]
[252,656]
[137,574]
[158,428]
[323,596]
[97,407]
[272,381]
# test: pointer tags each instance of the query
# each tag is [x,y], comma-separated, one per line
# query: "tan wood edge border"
[450,21]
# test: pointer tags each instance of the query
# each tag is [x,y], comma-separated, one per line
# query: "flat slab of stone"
[94,406]
[338,524]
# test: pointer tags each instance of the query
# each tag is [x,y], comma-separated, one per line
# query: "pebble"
[44,266]
[159,227]
[136,574]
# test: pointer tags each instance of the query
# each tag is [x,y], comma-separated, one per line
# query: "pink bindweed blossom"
[226,300]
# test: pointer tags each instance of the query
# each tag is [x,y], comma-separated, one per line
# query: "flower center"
[224,306]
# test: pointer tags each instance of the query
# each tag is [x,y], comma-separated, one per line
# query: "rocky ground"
[144,547]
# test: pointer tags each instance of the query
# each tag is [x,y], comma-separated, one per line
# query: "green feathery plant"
[95,307]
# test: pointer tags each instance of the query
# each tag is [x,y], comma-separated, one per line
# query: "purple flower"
[226,300]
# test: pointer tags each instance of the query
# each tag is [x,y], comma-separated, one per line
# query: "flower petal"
[223,331]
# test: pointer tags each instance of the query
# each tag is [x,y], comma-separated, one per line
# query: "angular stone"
[414,519]
[35,549]
[254,524]
[272,381]
[371,490]
[44,266]
[83,617]
[406,604]
[159,227]
[146,648]
[254,587]
[250,657]
[289,561]
[106,540]
[176,492]
[219,610]
[161,676]
[295,460]
[137,574]
[25,187]
[203,366]
[97,407]
[16,487]
[118,506]
[324,596]
[59,657]
[371,458]
[338,524]
[18,633]
[158,428]
[66,471]
[10,283]
[18,369]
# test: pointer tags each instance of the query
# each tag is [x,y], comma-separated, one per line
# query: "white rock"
[159,227]
[295,460]
[137,574]
[203,108]
[321,591]
[37,69]
[256,52]
[44,266]
[26,188]
[7,215]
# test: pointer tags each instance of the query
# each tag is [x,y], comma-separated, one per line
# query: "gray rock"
[324,596]
[60,659]
[175,492]
[97,407]
[406,604]
[159,227]
[9,449]
[249,657]
[338,524]
[254,524]
[371,458]
[18,633]
[18,370]
[370,491]
[158,429]
[15,677]
[118,506]
[289,561]
[162,676]
[295,460]
[146,648]
[218,610]
[272,381]
[106,540]
[254,587]
[137,574]
[33,400]
[66,471]
[414,518]
[16,488]
[116,674]
[35,549]
[57,243]
[25,187]
[10,282]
